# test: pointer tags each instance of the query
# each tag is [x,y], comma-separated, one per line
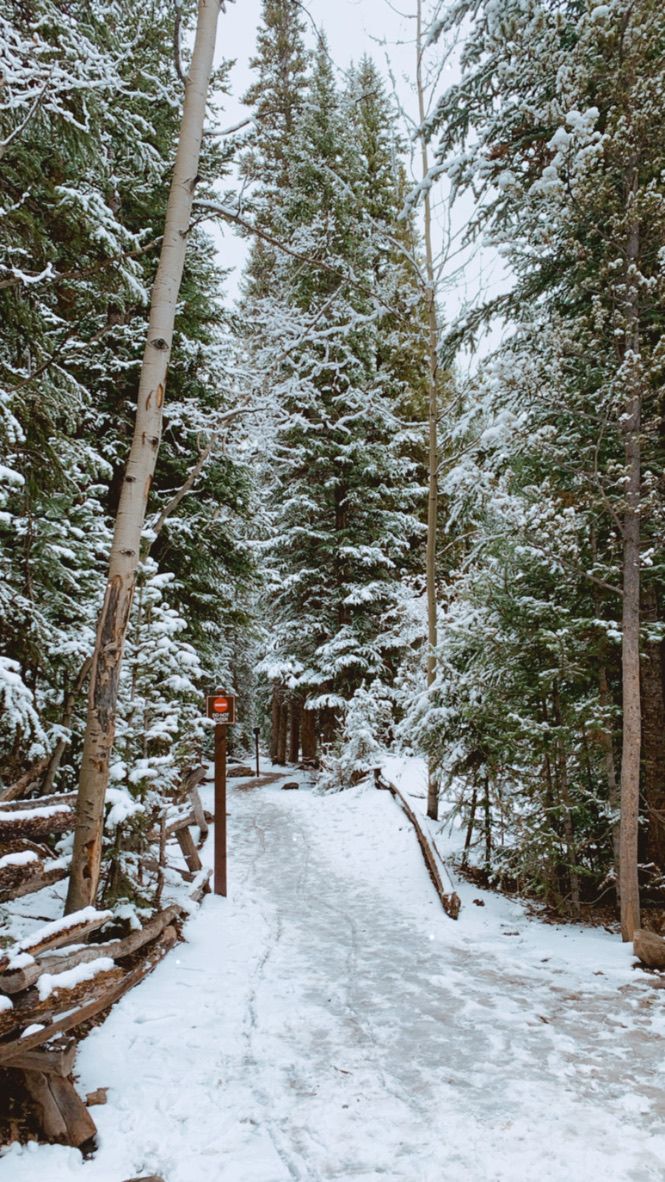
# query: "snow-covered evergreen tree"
[343,496]
[549,127]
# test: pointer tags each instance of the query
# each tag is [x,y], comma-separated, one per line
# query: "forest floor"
[328,1021]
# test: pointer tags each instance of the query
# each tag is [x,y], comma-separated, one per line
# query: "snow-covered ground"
[328,1021]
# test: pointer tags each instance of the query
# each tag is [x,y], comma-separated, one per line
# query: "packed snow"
[328,1021]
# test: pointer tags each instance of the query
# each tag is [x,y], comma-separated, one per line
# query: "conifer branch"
[231,215]
[21,127]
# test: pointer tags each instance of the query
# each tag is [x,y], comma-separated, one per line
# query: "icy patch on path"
[329,1022]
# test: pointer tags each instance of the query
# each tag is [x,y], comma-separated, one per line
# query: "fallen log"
[44,874]
[56,1057]
[72,927]
[36,821]
[450,900]
[20,979]
[63,1115]
[649,948]
[70,1019]
[151,1178]
[25,782]
[236,770]
[22,806]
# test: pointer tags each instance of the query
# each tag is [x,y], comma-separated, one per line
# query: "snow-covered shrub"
[365,733]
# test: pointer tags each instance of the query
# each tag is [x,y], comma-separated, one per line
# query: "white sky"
[353,27]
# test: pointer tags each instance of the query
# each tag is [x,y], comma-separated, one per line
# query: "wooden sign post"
[221,707]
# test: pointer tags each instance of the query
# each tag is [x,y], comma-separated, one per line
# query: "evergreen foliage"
[90,111]
[550,127]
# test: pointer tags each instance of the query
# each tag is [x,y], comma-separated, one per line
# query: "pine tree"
[342,480]
[559,151]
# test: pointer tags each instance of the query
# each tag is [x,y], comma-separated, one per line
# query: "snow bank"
[86,915]
[20,859]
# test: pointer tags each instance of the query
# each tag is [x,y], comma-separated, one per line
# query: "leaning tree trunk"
[125,551]
[432,385]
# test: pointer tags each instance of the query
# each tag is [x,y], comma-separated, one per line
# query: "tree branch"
[231,215]
[17,130]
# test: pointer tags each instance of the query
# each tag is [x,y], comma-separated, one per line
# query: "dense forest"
[378,531]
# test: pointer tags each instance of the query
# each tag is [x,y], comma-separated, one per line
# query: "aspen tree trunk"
[433,450]
[125,551]
[630,653]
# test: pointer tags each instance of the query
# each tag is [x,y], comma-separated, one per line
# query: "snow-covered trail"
[329,1022]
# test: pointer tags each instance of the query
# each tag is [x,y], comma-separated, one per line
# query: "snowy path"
[329,1022]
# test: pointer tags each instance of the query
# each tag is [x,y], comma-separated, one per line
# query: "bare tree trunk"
[276,703]
[487,810]
[294,730]
[469,828]
[630,652]
[309,735]
[564,796]
[283,729]
[125,551]
[610,770]
[62,744]
[433,450]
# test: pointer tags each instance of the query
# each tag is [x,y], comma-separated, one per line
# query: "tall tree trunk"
[282,729]
[607,745]
[567,814]
[433,408]
[294,729]
[276,704]
[630,652]
[125,551]
[653,734]
[470,824]
[309,735]
[487,811]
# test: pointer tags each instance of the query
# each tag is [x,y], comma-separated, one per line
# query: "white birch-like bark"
[125,551]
